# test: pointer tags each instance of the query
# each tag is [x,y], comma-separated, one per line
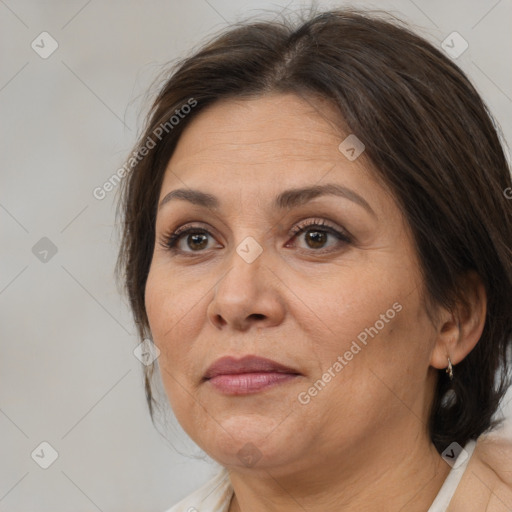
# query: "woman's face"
[339,303]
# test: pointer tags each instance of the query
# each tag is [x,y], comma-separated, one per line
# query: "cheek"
[367,326]
[172,309]
[372,372]
[167,301]
[165,306]
[155,298]
[163,311]
[351,306]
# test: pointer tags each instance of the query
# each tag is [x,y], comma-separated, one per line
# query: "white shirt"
[215,495]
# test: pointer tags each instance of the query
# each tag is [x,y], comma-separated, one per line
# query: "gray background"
[68,375]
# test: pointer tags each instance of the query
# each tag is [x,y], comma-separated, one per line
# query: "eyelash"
[170,240]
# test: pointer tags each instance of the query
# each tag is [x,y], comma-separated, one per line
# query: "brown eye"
[316,238]
[195,240]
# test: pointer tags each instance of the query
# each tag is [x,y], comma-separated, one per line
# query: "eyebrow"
[291,198]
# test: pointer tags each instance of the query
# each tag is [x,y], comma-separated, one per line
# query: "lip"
[250,374]
[247,364]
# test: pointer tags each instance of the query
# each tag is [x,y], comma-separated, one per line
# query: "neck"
[399,475]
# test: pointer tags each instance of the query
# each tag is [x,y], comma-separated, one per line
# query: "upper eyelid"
[295,229]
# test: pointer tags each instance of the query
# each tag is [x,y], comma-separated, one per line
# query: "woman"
[317,240]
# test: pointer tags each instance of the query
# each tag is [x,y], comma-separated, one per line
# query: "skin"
[487,481]
[362,442]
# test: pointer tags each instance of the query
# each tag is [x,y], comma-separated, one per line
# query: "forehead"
[259,130]
[279,137]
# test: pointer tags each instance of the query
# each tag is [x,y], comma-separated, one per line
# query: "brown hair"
[429,137]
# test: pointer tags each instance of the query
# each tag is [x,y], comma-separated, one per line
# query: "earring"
[449,370]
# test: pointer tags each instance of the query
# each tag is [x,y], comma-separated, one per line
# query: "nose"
[248,292]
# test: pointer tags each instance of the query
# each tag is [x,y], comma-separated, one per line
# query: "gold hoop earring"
[449,370]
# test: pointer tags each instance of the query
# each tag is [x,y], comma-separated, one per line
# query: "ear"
[459,330]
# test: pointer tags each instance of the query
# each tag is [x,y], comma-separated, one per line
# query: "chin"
[251,441]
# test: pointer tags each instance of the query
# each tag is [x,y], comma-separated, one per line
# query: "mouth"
[250,374]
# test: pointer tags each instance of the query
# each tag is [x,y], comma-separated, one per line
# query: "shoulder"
[213,496]
[495,452]
[487,481]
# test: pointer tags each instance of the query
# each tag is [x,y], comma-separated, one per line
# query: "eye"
[196,239]
[317,233]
